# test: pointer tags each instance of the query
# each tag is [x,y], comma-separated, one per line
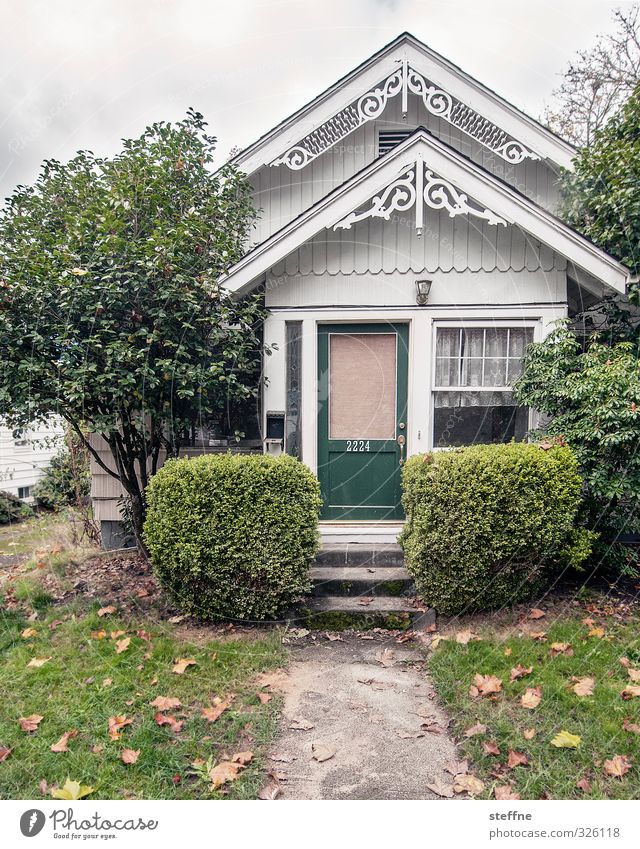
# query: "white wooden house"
[25,456]
[409,250]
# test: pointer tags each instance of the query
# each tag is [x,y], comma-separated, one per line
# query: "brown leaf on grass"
[122,645]
[520,671]
[37,662]
[30,723]
[97,749]
[561,648]
[630,726]
[130,756]
[144,635]
[28,633]
[505,792]
[584,784]
[486,685]
[334,638]
[634,674]
[491,748]
[98,635]
[624,661]
[61,745]
[474,730]
[457,767]
[617,766]
[223,773]
[181,664]
[583,686]
[107,682]
[43,787]
[265,698]
[517,759]
[531,697]
[53,625]
[116,724]
[106,611]
[466,636]
[538,636]
[270,791]
[536,613]
[386,657]
[115,634]
[508,651]
[596,632]
[164,719]
[467,783]
[4,753]
[211,714]
[242,758]
[165,703]
[529,733]
[322,751]
[438,787]
[630,691]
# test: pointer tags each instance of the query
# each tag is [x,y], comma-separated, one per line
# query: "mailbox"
[275,428]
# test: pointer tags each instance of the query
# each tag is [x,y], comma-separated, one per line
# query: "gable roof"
[502,204]
[437,70]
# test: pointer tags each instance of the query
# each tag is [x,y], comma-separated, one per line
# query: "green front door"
[362,419]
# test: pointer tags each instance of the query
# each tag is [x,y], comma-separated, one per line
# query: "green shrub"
[12,509]
[232,536]
[67,479]
[489,525]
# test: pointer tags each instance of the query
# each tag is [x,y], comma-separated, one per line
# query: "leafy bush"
[490,524]
[12,509]
[232,536]
[67,479]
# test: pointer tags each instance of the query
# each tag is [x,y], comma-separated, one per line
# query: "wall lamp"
[423,287]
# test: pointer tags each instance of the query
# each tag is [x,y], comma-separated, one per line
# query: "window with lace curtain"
[475,368]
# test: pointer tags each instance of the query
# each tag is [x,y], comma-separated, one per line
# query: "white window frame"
[486,324]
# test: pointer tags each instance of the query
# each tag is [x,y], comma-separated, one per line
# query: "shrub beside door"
[490,525]
[232,536]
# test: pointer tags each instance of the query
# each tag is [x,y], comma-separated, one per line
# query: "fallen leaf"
[224,772]
[536,613]
[441,789]
[107,682]
[53,625]
[520,671]
[334,637]
[467,636]
[634,674]
[467,784]
[270,791]
[61,745]
[491,748]
[386,657]
[617,766]
[211,714]
[457,767]
[435,641]
[4,753]
[432,728]
[122,645]
[181,664]
[28,633]
[282,757]
[265,698]
[116,724]
[529,733]
[166,703]
[566,740]
[508,651]
[97,749]
[584,686]
[301,725]
[36,662]
[589,622]
[129,756]
[164,719]
[505,792]
[584,784]
[516,759]
[624,661]
[105,611]
[30,723]
[175,619]
[242,758]
[531,697]
[630,691]
[409,735]
[486,685]
[538,636]
[596,632]
[115,634]
[43,787]
[98,635]
[144,635]
[72,790]
[632,727]
[561,648]
[474,730]
[322,752]
[366,599]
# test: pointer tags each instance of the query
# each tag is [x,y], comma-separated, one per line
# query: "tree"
[112,314]
[598,81]
[602,194]
[592,397]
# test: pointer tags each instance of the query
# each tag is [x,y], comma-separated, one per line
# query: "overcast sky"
[84,73]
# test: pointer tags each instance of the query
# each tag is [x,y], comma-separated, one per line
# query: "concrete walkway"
[360,721]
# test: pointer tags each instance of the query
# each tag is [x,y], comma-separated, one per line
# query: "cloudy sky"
[84,73]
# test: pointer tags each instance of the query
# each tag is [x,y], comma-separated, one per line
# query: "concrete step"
[360,580]
[380,555]
[360,532]
[379,608]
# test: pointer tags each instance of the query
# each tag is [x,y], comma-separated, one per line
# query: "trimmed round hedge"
[232,536]
[489,525]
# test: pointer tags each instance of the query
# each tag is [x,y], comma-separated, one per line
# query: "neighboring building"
[25,455]
[409,251]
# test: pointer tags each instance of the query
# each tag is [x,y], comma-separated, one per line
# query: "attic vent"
[390,138]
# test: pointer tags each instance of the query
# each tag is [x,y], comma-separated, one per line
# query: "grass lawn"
[597,719]
[85,681]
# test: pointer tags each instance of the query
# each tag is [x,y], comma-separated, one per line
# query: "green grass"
[37,532]
[597,719]
[68,691]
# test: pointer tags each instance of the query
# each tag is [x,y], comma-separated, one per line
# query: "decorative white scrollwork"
[436,192]
[371,105]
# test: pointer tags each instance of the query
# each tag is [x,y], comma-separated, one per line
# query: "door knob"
[401,442]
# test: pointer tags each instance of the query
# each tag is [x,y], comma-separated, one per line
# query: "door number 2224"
[357,445]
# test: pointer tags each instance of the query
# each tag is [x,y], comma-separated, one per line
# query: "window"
[24,491]
[475,368]
[20,439]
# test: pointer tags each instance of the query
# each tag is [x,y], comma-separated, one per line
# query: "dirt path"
[371,715]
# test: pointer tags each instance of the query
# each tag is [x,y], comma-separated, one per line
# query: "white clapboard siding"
[23,465]
[281,194]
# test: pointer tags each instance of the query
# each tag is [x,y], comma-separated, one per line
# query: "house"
[409,249]
[25,456]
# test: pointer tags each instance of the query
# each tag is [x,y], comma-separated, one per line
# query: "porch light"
[423,287]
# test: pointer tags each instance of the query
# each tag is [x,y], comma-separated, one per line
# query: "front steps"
[365,583]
